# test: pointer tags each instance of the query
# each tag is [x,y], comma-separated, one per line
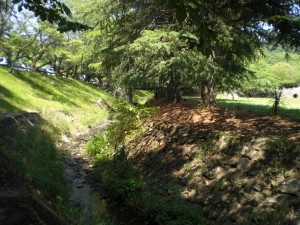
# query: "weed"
[35,156]
[207,145]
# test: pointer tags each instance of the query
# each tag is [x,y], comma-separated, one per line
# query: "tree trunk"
[207,93]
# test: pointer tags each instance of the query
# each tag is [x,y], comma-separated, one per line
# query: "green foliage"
[169,213]
[282,16]
[142,97]
[123,179]
[77,214]
[271,71]
[100,147]
[278,153]
[120,177]
[53,11]
[127,119]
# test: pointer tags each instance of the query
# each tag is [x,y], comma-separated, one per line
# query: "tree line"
[156,44]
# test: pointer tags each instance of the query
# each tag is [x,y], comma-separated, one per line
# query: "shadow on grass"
[43,89]
[31,151]
[6,106]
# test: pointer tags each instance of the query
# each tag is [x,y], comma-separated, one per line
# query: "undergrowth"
[124,181]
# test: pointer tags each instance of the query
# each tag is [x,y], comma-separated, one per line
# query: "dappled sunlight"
[235,167]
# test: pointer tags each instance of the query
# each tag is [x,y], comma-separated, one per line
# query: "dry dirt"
[222,120]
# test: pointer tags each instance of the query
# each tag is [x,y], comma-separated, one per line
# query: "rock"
[255,203]
[267,192]
[196,182]
[290,186]
[244,164]
[216,172]
[192,195]
[255,154]
[234,161]
[257,198]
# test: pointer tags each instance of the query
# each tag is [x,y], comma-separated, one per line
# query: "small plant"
[208,146]
[277,93]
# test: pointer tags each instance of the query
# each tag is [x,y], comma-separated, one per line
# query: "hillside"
[67,104]
[38,114]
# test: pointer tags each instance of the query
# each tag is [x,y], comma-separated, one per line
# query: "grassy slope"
[66,107]
[65,103]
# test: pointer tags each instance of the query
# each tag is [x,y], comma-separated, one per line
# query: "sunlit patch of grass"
[142,97]
[68,104]
[288,106]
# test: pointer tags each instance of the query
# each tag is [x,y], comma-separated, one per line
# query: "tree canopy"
[210,45]
[53,11]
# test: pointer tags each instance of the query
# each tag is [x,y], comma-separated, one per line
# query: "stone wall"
[231,179]
[290,92]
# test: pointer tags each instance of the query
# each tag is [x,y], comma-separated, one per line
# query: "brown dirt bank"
[234,167]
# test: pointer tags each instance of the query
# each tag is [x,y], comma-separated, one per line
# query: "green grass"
[142,97]
[67,104]
[289,107]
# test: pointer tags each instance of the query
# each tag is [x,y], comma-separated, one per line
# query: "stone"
[290,186]
[257,198]
[192,195]
[216,172]
[267,192]
[234,161]
[244,164]
[254,202]
[254,154]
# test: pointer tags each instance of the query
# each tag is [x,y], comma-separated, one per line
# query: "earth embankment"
[234,167]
